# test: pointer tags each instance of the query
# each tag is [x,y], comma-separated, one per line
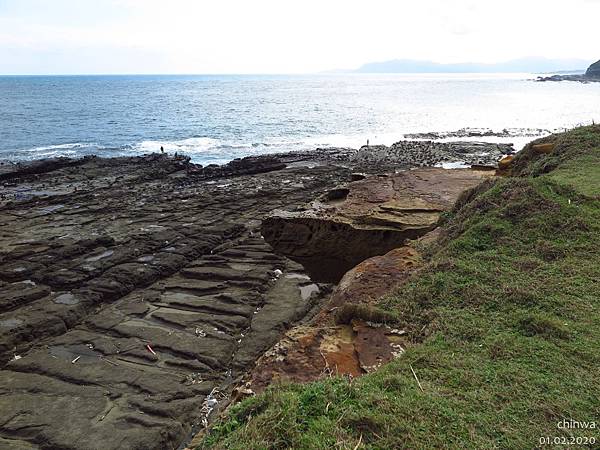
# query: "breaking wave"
[206,150]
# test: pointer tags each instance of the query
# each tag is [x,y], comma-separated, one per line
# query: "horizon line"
[328,72]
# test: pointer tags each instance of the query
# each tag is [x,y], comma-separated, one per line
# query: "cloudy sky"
[284,36]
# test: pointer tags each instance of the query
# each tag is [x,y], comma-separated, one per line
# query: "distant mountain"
[527,65]
[592,74]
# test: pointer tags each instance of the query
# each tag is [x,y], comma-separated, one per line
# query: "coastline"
[206,150]
[143,284]
[476,335]
[176,302]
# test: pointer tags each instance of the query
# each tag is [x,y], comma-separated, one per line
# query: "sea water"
[214,119]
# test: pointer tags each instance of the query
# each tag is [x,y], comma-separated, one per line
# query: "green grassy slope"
[506,324]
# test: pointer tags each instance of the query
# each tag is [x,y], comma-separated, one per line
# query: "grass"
[505,321]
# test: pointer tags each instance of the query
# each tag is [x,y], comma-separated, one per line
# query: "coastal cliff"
[481,335]
[593,71]
[592,74]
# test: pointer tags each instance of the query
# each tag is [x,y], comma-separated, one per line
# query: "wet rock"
[407,154]
[9,171]
[366,218]
[20,270]
[478,133]
[66,299]
[145,278]
[250,165]
[15,295]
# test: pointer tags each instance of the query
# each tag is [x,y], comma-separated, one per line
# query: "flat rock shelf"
[135,293]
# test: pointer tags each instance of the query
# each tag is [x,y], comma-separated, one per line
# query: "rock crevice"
[373,216]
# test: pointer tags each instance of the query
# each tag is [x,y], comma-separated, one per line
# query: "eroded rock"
[135,288]
[374,278]
[325,347]
[366,218]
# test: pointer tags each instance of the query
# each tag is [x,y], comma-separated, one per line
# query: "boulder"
[543,148]
[505,162]
[366,218]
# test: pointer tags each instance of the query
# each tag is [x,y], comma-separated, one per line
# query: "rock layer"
[366,218]
[135,292]
[325,347]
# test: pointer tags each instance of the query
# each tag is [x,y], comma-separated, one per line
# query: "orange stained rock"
[505,162]
[543,148]
[366,218]
[373,278]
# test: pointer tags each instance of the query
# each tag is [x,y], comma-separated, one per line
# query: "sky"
[284,36]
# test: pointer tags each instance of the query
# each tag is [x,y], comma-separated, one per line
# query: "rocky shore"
[591,75]
[472,323]
[138,293]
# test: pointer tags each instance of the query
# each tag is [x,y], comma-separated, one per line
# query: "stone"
[543,148]
[594,70]
[366,218]
[153,251]
[323,348]
[505,162]
[374,277]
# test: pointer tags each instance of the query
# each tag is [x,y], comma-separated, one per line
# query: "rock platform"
[366,218]
[135,293]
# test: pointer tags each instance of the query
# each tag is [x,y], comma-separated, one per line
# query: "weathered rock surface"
[130,289]
[323,347]
[10,170]
[366,218]
[429,154]
[373,278]
[134,292]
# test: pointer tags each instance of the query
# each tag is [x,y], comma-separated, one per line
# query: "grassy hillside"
[505,321]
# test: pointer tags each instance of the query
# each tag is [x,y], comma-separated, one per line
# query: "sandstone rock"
[543,148]
[308,353]
[505,162]
[366,218]
[321,348]
[374,277]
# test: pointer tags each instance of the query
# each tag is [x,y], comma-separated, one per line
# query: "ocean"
[214,119]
